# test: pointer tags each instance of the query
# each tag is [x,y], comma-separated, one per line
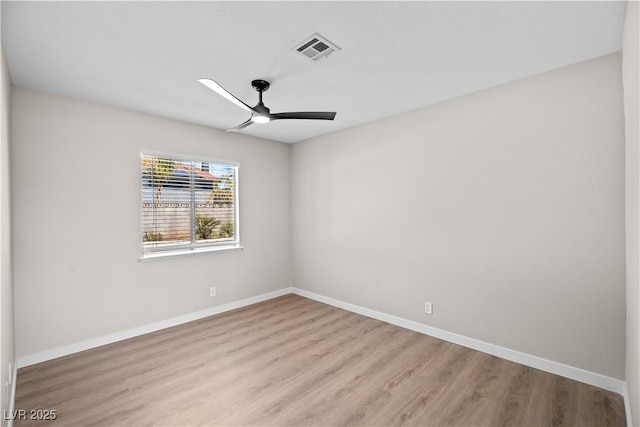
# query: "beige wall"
[504,208]
[630,77]
[7,352]
[76,269]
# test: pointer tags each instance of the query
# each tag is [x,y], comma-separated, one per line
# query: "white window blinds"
[187,203]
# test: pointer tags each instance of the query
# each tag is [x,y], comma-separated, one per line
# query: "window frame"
[193,247]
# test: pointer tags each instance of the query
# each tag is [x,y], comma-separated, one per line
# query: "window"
[188,205]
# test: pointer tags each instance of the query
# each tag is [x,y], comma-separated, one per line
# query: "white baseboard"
[12,396]
[556,368]
[65,350]
[627,404]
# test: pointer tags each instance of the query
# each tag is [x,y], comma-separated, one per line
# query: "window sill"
[152,256]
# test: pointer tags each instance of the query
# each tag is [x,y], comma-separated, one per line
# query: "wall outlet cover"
[428,308]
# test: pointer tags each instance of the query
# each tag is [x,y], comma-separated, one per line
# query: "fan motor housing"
[260,85]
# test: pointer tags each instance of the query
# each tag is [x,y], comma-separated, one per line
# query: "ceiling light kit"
[260,113]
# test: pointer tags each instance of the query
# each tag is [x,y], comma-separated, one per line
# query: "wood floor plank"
[292,361]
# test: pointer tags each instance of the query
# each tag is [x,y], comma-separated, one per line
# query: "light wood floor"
[294,361]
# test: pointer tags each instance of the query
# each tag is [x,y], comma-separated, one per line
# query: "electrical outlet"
[428,308]
[6,388]
[212,291]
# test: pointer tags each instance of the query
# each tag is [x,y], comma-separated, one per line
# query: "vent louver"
[316,47]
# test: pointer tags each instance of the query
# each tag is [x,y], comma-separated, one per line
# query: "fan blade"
[307,115]
[223,92]
[241,126]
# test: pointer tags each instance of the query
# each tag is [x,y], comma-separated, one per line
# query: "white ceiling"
[396,56]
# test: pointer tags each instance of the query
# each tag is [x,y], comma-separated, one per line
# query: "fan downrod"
[260,85]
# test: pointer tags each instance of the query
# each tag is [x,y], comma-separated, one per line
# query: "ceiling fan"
[260,113]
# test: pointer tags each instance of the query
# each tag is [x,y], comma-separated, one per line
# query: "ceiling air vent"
[316,47]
